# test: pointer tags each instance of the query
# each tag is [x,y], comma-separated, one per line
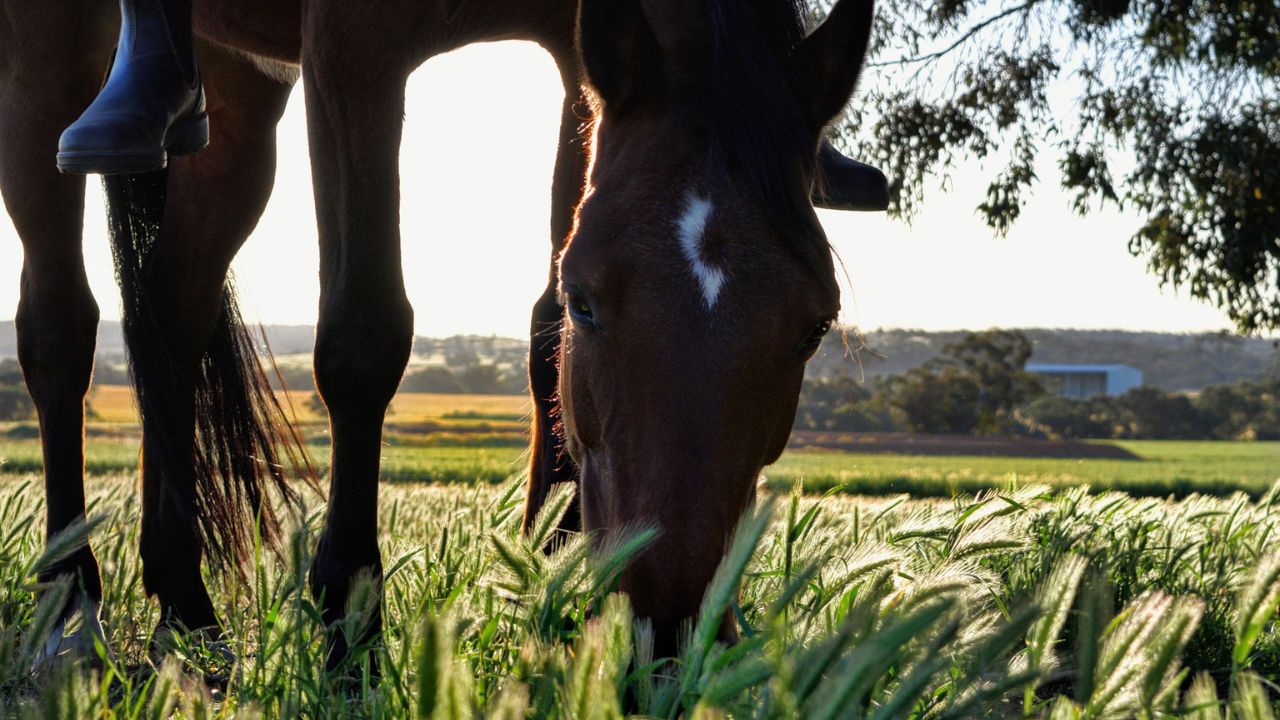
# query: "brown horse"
[697,280]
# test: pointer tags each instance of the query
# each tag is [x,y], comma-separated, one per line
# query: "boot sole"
[184,137]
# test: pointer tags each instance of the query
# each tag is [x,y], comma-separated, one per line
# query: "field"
[1019,604]
[997,590]
[470,438]
[113,404]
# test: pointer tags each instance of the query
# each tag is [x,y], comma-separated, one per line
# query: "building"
[1082,381]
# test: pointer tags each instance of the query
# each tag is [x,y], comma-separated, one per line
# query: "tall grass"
[1004,604]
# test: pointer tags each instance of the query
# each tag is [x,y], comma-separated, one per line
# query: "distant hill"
[284,339]
[1168,360]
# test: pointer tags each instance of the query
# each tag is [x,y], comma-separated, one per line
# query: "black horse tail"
[217,480]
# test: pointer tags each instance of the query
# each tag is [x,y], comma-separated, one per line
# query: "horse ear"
[619,52]
[825,67]
[845,184]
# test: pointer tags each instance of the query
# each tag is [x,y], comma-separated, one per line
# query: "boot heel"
[188,136]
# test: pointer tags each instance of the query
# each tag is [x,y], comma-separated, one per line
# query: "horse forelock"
[757,130]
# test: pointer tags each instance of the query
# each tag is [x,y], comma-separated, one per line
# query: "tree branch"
[929,57]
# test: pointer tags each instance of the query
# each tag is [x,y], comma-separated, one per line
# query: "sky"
[479,143]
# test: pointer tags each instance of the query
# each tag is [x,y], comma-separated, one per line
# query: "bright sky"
[479,143]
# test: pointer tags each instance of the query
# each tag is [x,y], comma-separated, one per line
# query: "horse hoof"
[75,637]
[219,661]
[204,652]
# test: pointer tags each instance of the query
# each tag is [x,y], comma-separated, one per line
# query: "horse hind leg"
[44,85]
[212,429]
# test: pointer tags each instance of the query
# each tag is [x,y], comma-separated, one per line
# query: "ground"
[481,438]
[1019,601]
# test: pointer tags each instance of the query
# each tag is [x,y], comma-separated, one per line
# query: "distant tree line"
[980,386]
[1235,411]
[15,403]
[478,378]
[977,385]
[1171,361]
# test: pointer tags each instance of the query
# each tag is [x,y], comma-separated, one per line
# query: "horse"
[688,283]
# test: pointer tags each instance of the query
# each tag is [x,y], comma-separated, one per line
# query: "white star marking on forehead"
[691,230]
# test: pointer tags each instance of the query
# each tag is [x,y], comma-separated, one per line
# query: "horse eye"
[810,345]
[579,308]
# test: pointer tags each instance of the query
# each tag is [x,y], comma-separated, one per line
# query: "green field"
[1007,605]
[1033,600]
[1162,468]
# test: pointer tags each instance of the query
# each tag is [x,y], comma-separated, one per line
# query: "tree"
[820,397]
[1176,117]
[315,404]
[431,379]
[974,387]
[15,403]
[940,397]
[998,360]
[1241,411]
[483,379]
[1148,412]
[842,404]
[10,372]
[1067,418]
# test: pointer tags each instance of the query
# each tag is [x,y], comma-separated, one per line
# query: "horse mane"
[757,129]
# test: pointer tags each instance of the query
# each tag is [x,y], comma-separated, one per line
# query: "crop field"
[114,404]
[482,438]
[1006,604]
[1160,467]
[487,450]
[969,586]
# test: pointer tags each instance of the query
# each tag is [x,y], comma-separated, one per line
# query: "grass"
[481,438]
[1010,604]
[1164,467]
[469,450]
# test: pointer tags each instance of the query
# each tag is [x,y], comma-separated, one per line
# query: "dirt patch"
[918,444]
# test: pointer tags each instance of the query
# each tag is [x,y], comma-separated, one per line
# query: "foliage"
[1166,109]
[974,387]
[315,405]
[1170,361]
[431,379]
[997,359]
[1068,418]
[1147,412]
[840,404]
[1237,411]
[474,378]
[1073,605]
[109,373]
[15,403]
[979,385]
[937,398]
[10,372]
[1248,411]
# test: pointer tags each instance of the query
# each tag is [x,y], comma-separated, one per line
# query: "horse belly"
[270,29]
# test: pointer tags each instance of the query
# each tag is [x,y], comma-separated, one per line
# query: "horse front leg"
[355,104]
[52,56]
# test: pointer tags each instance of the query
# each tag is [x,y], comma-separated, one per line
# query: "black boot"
[152,105]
